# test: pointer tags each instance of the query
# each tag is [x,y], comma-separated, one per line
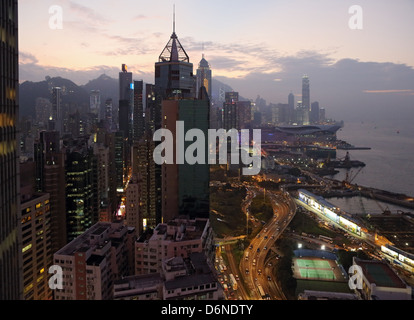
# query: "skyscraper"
[138,114]
[10,215]
[81,190]
[125,101]
[230,119]
[56,122]
[36,236]
[314,113]
[95,104]
[174,72]
[306,93]
[291,103]
[185,187]
[203,77]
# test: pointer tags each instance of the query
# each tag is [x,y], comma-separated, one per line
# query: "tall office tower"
[185,187]
[291,103]
[133,204]
[125,101]
[95,104]
[37,252]
[56,122]
[230,120]
[280,113]
[81,190]
[322,114]
[203,77]
[125,112]
[306,92]
[48,142]
[50,177]
[54,178]
[306,104]
[152,118]
[244,114]
[314,113]
[138,116]
[109,125]
[174,72]
[94,260]
[10,214]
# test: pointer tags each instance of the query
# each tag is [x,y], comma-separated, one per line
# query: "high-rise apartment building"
[36,236]
[133,212]
[10,215]
[144,167]
[176,238]
[94,260]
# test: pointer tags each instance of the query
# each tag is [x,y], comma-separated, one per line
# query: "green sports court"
[316,264]
[313,268]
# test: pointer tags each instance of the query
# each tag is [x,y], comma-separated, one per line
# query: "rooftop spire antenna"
[174,18]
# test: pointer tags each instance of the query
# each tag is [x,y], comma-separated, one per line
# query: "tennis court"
[316,264]
[316,269]
[317,274]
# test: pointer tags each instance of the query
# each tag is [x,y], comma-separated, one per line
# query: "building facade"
[381,282]
[93,261]
[177,238]
[10,215]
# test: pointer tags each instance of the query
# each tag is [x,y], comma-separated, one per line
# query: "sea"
[389,162]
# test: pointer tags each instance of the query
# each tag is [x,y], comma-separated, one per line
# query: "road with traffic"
[254,267]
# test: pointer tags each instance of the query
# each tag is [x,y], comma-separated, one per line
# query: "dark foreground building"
[10,261]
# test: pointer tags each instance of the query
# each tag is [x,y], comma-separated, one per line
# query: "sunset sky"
[258,47]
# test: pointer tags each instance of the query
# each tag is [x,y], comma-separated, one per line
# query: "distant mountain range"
[79,95]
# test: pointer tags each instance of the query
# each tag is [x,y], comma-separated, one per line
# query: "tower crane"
[349,178]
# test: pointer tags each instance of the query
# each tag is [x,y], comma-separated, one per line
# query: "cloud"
[91,16]
[389,91]
[26,57]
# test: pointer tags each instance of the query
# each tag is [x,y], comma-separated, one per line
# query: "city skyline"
[265,57]
[109,191]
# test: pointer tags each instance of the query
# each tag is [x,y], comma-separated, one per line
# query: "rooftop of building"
[90,239]
[187,281]
[397,228]
[324,295]
[180,229]
[139,284]
[380,273]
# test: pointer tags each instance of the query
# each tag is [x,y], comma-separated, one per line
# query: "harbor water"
[389,163]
